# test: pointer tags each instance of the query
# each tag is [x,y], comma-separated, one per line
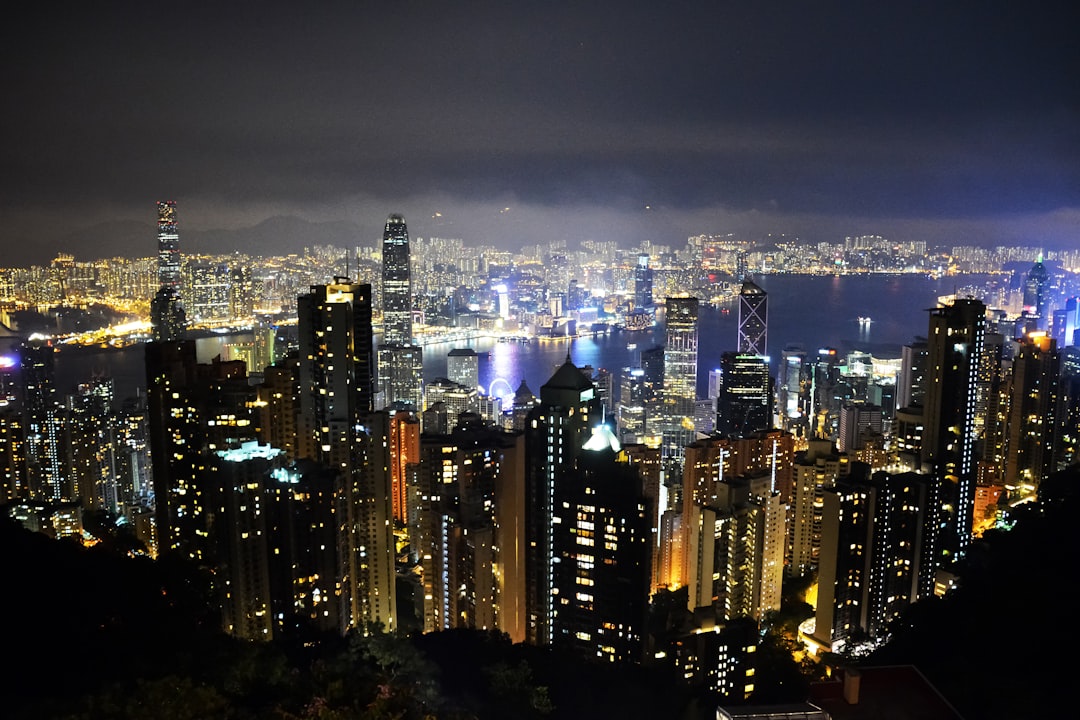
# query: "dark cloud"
[722,116]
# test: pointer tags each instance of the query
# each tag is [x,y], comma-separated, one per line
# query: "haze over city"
[511,123]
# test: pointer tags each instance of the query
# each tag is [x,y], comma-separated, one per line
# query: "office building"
[680,356]
[790,393]
[401,377]
[168,245]
[400,362]
[643,283]
[396,283]
[675,421]
[753,319]
[463,367]
[745,403]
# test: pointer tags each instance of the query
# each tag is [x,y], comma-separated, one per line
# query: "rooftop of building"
[899,692]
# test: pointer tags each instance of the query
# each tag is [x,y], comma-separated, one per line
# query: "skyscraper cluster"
[333,490]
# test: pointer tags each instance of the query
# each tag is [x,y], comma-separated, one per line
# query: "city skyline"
[510,125]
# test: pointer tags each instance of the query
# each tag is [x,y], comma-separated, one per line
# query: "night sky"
[949,122]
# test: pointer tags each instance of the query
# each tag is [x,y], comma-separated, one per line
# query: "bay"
[811,311]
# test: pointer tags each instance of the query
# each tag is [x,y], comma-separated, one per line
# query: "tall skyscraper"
[467,527]
[874,560]
[681,355]
[753,319]
[168,245]
[338,428]
[1031,423]
[1037,294]
[744,405]
[556,430]
[954,353]
[43,423]
[643,283]
[791,409]
[602,549]
[396,284]
[400,362]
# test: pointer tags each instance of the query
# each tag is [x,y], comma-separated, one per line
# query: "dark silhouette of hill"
[996,646]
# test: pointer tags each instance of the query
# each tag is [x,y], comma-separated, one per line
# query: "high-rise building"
[753,319]
[643,283]
[90,461]
[744,405]
[1031,422]
[954,353]
[681,355]
[1037,294]
[858,421]
[43,424]
[467,529]
[169,263]
[401,377]
[404,451]
[193,411]
[735,545]
[338,428]
[167,316]
[336,368]
[911,381]
[874,558]
[793,375]
[396,284]
[603,555]
[675,421]
[463,367]
[814,469]
[556,430]
[207,289]
[400,362]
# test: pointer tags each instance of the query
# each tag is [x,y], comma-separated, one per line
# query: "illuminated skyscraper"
[1031,422]
[1037,293]
[338,428]
[680,375]
[602,550]
[744,405]
[400,362]
[643,283]
[556,430]
[874,559]
[43,423]
[954,352]
[168,245]
[396,285]
[463,367]
[791,409]
[467,527]
[753,319]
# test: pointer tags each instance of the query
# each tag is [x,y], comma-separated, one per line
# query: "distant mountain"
[273,236]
